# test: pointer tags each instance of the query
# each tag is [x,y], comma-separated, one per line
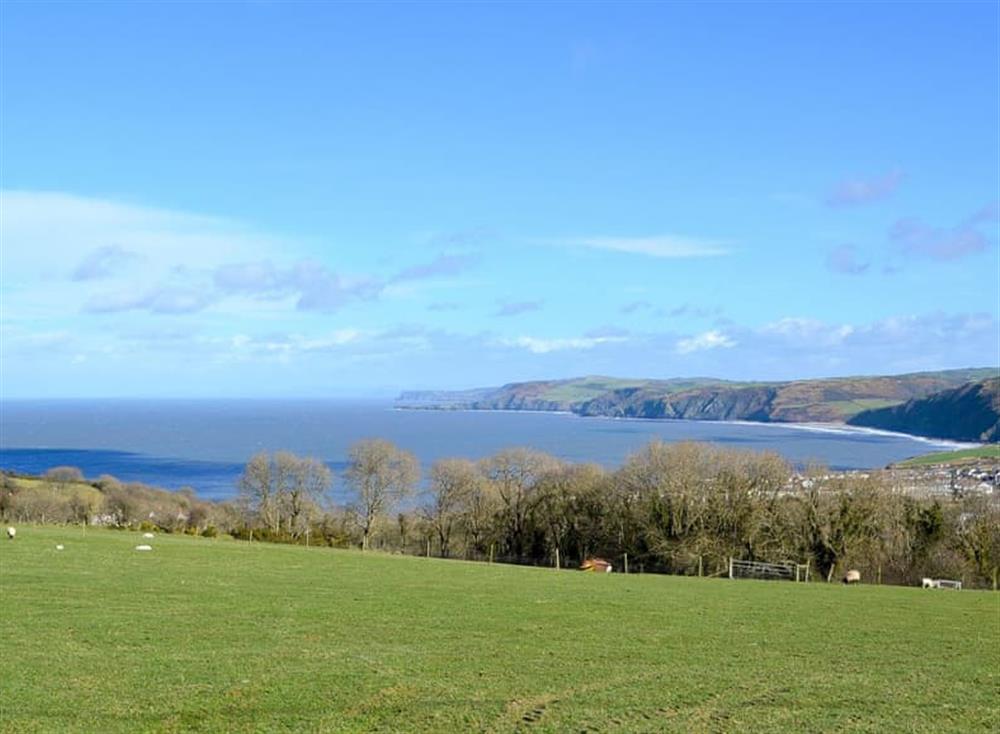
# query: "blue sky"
[319,199]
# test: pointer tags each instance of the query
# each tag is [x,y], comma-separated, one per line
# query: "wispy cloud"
[513,308]
[441,266]
[635,306]
[663,246]
[693,311]
[989,214]
[844,259]
[104,262]
[917,239]
[601,332]
[707,340]
[544,346]
[318,288]
[57,230]
[807,331]
[461,238]
[314,286]
[190,262]
[161,300]
[857,191]
[442,306]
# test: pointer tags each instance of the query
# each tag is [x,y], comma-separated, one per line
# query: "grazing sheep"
[927,583]
[148,535]
[144,547]
[60,547]
[11,532]
[852,577]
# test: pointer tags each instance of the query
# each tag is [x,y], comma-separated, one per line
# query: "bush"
[64,474]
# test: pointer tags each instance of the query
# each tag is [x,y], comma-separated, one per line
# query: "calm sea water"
[205,443]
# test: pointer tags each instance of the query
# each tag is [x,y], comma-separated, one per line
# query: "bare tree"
[64,474]
[516,474]
[566,509]
[453,484]
[259,487]
[479,517]
[381,474]
[283,489]
[303,484]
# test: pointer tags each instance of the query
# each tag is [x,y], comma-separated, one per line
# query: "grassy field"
[215,635]
[991,451]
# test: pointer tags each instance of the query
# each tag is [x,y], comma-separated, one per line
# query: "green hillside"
[835,399]
[215,635]
[989,452]
[970,412]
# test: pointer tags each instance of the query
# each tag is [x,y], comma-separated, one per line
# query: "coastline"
[832,428]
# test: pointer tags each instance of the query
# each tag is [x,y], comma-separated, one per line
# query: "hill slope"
[215,635]
[967,413]
[826,400]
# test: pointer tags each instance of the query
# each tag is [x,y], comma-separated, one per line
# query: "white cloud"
[855,191]
[545,346]
[104,262]
[49,231]
[707,340]
[811,331]
[663,246]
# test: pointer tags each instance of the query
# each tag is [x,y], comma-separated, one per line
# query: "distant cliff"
[825,400]
[967,413]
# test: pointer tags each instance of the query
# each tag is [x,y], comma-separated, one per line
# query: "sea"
[204,444]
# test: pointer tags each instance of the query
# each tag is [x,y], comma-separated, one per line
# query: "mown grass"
[990,451]
[215,635]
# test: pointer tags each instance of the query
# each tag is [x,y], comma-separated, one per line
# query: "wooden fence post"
[626,567]
[557,559]
[699,566]
[491,552]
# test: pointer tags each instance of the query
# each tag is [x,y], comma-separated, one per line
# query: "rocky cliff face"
[961,414]
[967,413]
[749,403]
[520,402]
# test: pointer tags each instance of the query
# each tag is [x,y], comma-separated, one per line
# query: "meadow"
[988,451]
[217,635]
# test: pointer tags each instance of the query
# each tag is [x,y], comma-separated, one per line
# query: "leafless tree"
[305,482]
[260,490]
[516,473]
[381,474]
[454,483]
[64,474]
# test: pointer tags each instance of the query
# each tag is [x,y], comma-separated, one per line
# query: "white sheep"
[928,583]
[60,547]
[149,536]
[11,532]
[144,547]
[852,577]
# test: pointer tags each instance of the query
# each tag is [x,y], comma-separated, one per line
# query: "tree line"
[680,508]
